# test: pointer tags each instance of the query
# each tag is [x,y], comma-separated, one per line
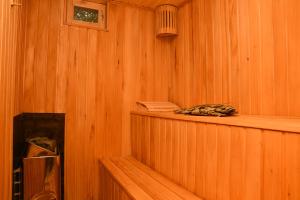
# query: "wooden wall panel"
[218,161]
[242,53]
[10,56]
[94,77]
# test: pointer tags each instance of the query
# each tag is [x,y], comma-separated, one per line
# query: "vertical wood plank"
[253,163]
[292,166]
[223,171]
[273,171]
[210,162]
[237,162]
[200,159]
[244,54]
[191,155]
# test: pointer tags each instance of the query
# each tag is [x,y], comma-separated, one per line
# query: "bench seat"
[142,183]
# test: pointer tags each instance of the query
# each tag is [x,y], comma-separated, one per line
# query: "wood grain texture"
[241,53]
[111,188]
[273,123]
[94,77]
[41,177]
[10,56]
[217,161]
[140,182]
[151,3]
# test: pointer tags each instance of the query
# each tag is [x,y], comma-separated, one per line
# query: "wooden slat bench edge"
[179,190]
[275,123]
[151,186]
[131,188]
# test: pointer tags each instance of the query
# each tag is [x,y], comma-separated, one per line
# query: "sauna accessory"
[38,156]
[41,170]
[218,110]
[41,146]
[166,21]
[156,106]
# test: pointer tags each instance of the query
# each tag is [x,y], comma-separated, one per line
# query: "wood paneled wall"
[10,57]
[94,77]
[241,52]
[220,161]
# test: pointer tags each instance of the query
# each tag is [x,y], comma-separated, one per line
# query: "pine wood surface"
[156,106]
[10,57]
[217,161]
[140,182]
[152,3]
[111,188]
[94,77]
[275,123]
[243,53]
[110,171]
[41,176]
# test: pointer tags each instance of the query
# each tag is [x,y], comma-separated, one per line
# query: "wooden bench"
[139,182]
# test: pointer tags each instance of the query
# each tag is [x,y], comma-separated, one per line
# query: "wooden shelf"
[284,124]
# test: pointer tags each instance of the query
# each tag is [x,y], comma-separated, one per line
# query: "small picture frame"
[87,14]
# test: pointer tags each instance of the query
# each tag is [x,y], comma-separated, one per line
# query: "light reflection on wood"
[42,178]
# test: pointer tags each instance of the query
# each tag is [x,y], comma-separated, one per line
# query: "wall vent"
[166,21]
[87,14]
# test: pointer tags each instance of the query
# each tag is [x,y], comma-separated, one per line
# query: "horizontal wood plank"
[127,184]
[161,179]
[140,182]
[276,123]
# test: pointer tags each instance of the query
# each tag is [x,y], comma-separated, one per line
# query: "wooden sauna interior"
[239,52]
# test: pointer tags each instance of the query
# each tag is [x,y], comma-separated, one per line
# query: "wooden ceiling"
[147,3]
[155,3]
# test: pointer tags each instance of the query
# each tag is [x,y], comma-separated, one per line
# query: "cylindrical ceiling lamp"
[166,21]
